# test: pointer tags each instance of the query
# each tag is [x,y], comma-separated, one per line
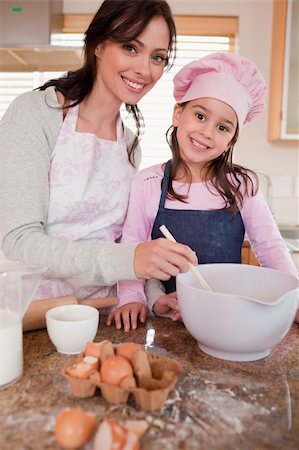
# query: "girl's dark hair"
[225,176]
[119,21]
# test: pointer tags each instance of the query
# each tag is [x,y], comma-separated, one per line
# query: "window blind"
[13,84]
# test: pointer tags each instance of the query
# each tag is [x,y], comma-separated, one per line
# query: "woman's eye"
[160,59]
[130,48]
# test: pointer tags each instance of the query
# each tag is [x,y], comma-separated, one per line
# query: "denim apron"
[215,235]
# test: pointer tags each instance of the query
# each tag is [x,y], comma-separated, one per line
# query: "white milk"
[11,347]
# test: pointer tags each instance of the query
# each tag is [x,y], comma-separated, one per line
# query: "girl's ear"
[177,110]
[227,148]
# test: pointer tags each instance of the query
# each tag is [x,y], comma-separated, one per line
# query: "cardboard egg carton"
[152,380]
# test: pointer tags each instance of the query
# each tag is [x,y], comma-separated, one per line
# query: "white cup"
[70,327]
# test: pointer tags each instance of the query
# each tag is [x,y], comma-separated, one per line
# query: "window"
[218,34]
[13,84]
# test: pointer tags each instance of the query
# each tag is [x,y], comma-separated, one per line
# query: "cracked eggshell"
[112,434]
[127,349]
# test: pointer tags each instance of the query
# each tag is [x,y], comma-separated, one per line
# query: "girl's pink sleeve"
[264,235]
[137,228]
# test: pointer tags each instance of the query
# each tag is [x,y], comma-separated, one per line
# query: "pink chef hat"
[227,77]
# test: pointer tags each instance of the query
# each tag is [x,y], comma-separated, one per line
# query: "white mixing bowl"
[249,311]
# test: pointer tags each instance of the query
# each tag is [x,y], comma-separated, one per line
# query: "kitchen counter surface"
[215,404]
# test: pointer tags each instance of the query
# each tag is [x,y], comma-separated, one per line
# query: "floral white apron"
[89,183]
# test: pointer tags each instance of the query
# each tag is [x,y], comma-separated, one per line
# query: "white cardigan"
[28,133]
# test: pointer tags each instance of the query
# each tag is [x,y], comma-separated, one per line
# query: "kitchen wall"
[280,160]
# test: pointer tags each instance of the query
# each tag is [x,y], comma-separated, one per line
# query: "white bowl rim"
[72,306]
[255,300]
[223,294]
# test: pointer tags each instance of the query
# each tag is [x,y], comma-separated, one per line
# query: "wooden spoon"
[164,230]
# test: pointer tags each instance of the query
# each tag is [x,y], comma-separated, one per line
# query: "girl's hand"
[128,316]
[162,259]
[167,306]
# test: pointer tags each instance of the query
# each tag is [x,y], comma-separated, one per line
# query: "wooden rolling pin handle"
[99,303]
[35,316]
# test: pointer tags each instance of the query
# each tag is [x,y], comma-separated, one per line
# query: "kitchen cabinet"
[284,83]
[248,257]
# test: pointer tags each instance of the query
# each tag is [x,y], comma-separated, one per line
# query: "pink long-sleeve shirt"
[260,226]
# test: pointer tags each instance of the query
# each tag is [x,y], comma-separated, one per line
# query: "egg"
[127,350]
[113,435]
[74,427]
[83,368]
[114,369]
[94,348]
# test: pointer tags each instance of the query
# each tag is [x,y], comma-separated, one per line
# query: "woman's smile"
[133,85]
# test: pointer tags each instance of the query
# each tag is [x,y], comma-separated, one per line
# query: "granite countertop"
[215,404]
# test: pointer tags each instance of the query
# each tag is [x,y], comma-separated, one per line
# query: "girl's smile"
[199,145]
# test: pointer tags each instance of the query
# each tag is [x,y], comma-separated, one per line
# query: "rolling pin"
[35,316]
[101,302]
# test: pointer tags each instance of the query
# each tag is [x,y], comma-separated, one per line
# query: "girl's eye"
[223,128]
[130,48]
[200,116]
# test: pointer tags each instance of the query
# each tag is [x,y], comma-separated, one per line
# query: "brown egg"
[114,369]
[74,427]
[127,349]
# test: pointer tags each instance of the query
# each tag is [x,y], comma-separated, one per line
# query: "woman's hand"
[127,315]
[167,306]
[162,259]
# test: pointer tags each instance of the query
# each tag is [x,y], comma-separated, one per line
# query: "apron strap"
[71,117]
[165,183]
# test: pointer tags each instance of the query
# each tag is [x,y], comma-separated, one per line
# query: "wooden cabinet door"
[248,257]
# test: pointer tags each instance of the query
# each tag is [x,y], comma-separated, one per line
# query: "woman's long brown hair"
[225,176]
[119,21]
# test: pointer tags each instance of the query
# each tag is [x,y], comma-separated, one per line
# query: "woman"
[67,161]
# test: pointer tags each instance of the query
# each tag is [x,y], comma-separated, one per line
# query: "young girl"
[67,161]
[204,199]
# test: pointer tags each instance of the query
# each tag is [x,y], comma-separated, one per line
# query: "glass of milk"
[17,286]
